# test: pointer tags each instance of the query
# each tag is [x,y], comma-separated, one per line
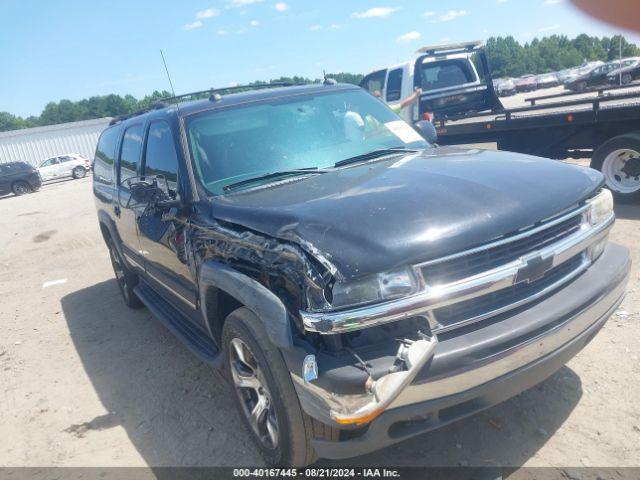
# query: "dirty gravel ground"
[86,382]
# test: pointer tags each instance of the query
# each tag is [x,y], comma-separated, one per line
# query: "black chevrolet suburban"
[357,285]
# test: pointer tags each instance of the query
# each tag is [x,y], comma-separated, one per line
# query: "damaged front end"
[357,409]
[372,365]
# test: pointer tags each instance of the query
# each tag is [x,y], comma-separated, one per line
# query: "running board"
[195,339]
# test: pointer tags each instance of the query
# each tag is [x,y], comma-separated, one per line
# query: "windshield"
[297,132]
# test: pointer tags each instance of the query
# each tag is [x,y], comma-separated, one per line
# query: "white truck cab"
[447,76]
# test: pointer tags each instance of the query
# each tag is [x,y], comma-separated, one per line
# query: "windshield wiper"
[281,173]
[381,152]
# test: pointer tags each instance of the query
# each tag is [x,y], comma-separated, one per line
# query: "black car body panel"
[12,172]
[432,204]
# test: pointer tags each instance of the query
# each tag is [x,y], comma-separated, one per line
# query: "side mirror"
[427,130]
[144,191]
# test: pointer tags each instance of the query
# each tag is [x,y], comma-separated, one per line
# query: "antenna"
[167,70]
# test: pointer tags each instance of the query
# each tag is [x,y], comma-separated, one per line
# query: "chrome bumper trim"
[432,297]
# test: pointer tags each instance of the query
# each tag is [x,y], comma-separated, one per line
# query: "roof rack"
[213,93]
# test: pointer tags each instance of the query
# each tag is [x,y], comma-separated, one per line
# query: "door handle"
[116,211]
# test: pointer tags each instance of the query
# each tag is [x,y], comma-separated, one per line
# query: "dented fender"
[255,296]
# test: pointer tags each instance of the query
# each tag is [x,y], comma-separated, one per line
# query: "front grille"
[483,306]
[474,263]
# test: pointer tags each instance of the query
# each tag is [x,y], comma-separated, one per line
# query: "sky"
[52,50]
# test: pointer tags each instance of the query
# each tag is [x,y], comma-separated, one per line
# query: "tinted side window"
[105,155]
[394,85]
[160,153]
[130,154]
[374,81]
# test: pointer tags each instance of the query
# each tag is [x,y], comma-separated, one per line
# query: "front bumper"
[481,367]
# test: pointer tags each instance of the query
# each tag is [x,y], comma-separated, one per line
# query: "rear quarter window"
[105,155]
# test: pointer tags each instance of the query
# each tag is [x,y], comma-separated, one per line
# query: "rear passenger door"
[162,241]
[126,211]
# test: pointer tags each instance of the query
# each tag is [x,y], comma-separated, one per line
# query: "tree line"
[507,58]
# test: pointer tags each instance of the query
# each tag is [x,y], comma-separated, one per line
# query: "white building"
[32,145]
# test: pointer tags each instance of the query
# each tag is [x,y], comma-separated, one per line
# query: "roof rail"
[213,93]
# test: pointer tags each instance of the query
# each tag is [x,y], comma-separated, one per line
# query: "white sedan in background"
[69,165]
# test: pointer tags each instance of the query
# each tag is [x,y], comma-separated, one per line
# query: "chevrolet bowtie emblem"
[534,269]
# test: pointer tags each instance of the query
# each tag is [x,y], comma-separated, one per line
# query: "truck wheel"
[78,172]
[126,279]
[21,188]
[619,161]
[266,398]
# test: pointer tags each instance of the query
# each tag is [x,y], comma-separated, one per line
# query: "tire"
[581,86]
[293,428]
[619,161]
[126,279]
[21,188]
[78,172]
[626,79]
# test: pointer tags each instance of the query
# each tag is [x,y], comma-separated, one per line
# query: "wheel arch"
[223,289]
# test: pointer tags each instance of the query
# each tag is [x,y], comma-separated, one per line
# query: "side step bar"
[195,339]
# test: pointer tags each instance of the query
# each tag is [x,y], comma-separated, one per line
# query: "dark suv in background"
[19,178]
[357,285]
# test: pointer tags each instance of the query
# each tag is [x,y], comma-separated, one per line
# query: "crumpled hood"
[412,208]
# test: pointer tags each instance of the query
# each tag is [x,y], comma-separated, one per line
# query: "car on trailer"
[356,285]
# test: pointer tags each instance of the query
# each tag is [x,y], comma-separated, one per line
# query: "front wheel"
[21,188]
[266,397]
[626,79]
[619,161]
[581,86]
[78,172]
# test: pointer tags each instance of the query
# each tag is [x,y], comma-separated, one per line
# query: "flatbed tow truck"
[601,123]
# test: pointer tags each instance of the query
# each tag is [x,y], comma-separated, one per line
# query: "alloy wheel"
[118,269]
[253,393]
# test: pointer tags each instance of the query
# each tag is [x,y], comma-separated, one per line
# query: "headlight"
[375,288]
[601,207]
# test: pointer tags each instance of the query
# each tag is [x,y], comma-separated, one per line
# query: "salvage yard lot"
[84,381]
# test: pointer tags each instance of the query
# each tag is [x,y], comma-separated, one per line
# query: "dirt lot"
[86,382]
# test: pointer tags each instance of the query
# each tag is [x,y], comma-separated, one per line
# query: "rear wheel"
[619,161]
[78,172]
[266,397]
[626,79]
[21,188]
[581,86]
[126,279]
